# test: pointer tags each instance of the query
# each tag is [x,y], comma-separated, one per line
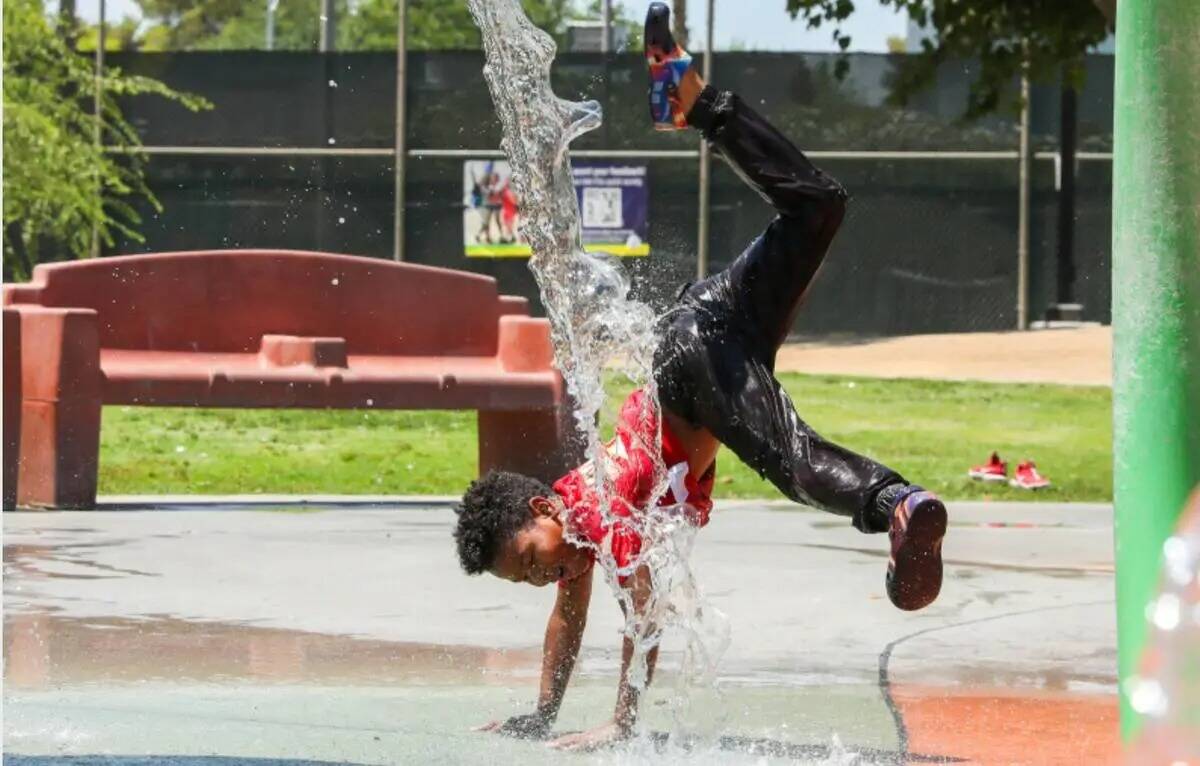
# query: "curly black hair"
[493,509]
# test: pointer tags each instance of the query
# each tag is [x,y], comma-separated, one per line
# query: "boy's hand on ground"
[593,739]
[526,726]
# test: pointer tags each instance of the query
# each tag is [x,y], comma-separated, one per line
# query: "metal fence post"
[1065,305]
[401,127]
[1024,160]
[98,106]
[705,162]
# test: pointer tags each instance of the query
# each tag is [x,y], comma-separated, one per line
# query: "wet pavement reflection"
[42,650]
[349,637]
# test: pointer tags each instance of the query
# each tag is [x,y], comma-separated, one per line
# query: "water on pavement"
[223,637]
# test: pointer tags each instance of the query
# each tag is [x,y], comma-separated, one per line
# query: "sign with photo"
[613,200]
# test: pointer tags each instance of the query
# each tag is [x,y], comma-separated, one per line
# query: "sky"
[749,24]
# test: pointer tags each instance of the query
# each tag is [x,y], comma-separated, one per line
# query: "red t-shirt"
[632,480]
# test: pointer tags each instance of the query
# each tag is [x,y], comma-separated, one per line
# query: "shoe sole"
[918,563]
[1033,487]
[658,15]
[986,476]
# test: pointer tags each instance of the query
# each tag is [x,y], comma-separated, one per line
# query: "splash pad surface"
[348,635]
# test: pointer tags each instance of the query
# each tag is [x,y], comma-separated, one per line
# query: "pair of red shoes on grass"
[995,469]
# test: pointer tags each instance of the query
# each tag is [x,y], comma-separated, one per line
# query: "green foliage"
[235,24]
[436,24]
[361,25]
[1002,34]
[59,181]
[118,36]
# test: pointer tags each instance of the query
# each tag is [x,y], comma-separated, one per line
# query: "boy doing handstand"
[714,370]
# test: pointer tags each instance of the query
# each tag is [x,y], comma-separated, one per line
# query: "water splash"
[1166,691]
[595,326]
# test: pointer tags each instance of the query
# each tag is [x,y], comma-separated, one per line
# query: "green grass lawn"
[929,431]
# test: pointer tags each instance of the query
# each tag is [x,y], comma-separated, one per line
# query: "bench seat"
[192,379]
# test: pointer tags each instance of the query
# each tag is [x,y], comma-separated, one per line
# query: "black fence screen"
[930,244]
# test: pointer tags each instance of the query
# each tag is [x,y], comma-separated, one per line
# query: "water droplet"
[1146,696]
[335,282]
[333,83]
[1165,611]
[341,219]
[332,141]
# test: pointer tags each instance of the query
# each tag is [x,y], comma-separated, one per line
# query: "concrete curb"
[969,513]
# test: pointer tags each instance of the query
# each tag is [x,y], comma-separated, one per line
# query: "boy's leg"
[766,283]
[717,364]
[712,379]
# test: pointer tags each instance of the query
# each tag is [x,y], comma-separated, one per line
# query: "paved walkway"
[1080,356]
[349,635]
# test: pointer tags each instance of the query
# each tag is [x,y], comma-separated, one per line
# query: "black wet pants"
[715,365]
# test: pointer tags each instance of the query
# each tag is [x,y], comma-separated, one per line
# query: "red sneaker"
[994,469]
[1027,477]
[914,574]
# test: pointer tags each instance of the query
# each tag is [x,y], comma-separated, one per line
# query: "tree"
[362,24]
[235,24]
[119,36]
[437,24]
[1047,36]
[60,182]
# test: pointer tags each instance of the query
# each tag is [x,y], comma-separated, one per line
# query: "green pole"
[1156,300]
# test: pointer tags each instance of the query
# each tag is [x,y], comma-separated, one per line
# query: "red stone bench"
[267,328]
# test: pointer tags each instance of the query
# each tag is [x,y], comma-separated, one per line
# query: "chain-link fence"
[299,153]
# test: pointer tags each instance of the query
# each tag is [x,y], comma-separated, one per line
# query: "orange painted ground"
[1005,726]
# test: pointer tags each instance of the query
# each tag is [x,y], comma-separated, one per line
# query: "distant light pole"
[271,6]
[679,12]
[328,39]
[606,26]
[705,156]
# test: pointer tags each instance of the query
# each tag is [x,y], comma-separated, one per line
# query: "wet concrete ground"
[338,633]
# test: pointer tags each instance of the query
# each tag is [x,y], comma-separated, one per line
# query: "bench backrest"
[227,300]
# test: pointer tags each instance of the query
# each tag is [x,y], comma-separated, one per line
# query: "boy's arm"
[625,714]
[564,634]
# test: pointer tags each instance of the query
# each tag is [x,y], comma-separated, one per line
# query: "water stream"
[597,329]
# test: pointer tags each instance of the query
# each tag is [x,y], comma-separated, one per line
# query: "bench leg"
[60,454]
[12,405]
[60,409]
[537,443]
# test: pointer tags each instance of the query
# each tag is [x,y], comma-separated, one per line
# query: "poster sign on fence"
[613,201]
